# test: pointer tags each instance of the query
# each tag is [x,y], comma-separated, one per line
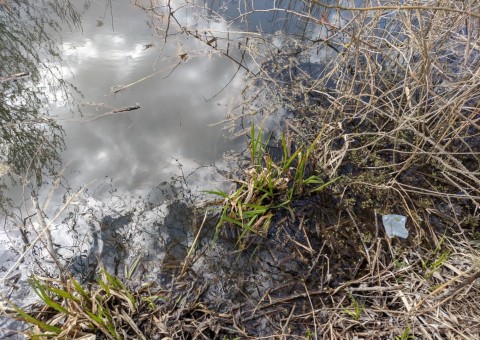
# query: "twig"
[39,236]
[376,289]
[48,237]
[192,247]
[395,8]
[121,110]
[15,76]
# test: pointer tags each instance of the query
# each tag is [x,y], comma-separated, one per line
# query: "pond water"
[139,149]
[138,102]
[179,89]
[142,109]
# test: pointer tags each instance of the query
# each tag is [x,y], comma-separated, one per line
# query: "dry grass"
[401,102]
[401,97]
[404,298]
[398,293]
[398,91]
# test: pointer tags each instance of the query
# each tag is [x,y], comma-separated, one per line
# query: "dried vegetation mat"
[306,283]
[291,289]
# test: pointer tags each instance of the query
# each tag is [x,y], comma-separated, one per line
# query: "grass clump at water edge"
[268,186]
[106,308]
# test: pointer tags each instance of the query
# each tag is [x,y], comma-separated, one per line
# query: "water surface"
[140,148]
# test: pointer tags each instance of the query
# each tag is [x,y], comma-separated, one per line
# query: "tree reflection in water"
[30,86]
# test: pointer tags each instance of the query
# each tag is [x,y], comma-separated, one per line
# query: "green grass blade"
[104,286]
[112,330]
[133,267]
[233,221]
[218,193]
[113,280]
[284,147]
[30,319]
[321,187]
[282,204]
[95,318]
[79,288]
[312,145]
[62,293]
[313,180]
[287,163]
[42,294]
[247,228]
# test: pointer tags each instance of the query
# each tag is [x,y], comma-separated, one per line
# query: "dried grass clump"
[433,296]
[399,92]
[288,291]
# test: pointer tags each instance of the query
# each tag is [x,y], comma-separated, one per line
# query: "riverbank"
[385,100]
[384,105]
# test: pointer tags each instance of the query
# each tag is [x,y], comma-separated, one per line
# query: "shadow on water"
[163,249]
[116,231]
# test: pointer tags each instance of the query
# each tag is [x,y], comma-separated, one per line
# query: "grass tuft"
[267,187]
[68,310]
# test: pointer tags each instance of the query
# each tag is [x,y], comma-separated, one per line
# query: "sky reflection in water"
[138,148]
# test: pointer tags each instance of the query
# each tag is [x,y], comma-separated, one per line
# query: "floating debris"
[395,225]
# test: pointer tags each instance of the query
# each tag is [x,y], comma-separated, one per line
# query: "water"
[120,158]
[116,57]
[139,149]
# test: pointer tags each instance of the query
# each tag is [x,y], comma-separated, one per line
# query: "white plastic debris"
[395,225]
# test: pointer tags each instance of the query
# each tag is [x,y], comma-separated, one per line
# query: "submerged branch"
[15,76]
